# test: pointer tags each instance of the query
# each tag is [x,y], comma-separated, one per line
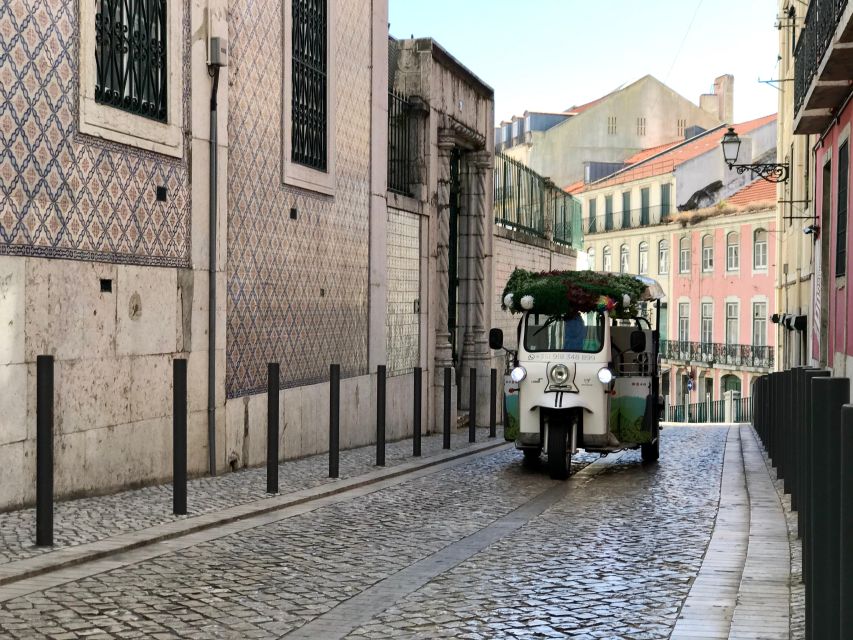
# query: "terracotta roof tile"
[666,161]
[758,191]
[575,187]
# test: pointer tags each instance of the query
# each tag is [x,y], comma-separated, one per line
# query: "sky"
[549,55]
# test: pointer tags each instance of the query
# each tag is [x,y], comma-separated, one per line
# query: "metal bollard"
[334,419]
[788,426]
[774,422]
[273,386]
[829,394]
[472,407]
[846,533]
[808,477]
[44,451]
[416,412]
[179,436]
[380,415]
[447,380]
[493,399]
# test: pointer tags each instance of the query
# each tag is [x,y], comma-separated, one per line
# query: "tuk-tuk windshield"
[583,332]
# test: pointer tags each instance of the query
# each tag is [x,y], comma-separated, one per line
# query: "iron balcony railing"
[633,218]
[531,204]
[710,353]
[401,144]
[822,18]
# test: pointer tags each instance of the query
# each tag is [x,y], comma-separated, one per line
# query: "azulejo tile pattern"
[62,194]
[297,289]
[402,317]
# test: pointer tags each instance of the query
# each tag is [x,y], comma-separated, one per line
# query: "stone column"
[443,350]
[476,341]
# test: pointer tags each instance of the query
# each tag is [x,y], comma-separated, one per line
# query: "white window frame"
[294,174]
[732,251]
[762,335]
[732,336]
[706,323]
[756,264]
[113,124]
[624,259]
[591,258]
[684,255]
[684,322]
[606,259]
[707,254]
[663,257]
[643,261]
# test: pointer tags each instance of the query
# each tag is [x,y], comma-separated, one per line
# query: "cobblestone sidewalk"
[87,520]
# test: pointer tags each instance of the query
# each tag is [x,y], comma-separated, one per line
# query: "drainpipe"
[211,301]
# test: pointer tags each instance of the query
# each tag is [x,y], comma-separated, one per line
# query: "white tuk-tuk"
[586,372]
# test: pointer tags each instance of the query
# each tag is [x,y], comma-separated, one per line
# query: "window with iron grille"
[841,234]
[663,257]
[732,252]
[130,56]
[309,91]
[644,258]
[608,213]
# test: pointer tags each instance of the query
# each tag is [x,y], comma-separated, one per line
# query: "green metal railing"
[529,203]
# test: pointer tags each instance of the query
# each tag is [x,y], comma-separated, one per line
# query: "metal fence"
[822,19]
[401,144]
[531,204]
[715,411]
[709,353]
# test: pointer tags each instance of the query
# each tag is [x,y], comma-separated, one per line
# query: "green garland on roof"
[565,293]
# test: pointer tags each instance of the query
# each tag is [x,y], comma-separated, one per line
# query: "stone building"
[586,142]
[331,244]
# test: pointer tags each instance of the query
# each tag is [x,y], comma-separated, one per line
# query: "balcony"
[635,218]
[711,353]
[824,65]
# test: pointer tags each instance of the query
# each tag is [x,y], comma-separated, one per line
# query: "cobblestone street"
[479,547]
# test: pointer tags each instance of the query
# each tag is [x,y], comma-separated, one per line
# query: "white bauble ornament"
[527,302]
[626,300]
[508,301]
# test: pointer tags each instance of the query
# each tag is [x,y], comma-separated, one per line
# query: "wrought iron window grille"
[130,56]
[309,103]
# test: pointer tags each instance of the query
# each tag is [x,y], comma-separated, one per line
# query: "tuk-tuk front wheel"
[560,441]
[531,456]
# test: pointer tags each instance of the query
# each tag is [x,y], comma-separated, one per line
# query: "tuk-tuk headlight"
[559,374]
[605,375]
[518,374]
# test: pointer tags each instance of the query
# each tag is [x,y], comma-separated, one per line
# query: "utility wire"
[684,39]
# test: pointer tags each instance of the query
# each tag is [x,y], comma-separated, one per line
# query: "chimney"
[720,104]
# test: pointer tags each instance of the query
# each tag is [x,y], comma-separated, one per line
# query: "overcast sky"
[548,55]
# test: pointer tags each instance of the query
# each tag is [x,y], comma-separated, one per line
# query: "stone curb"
[70,556]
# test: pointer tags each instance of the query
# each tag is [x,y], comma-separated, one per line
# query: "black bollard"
[846,533]
[829,394]
[472,407]
[416,412]
[774,422]
[788,426]
[273,386]
[44,451]
[380,415]
[179,436]
[334,419]
[808,488]
[493,399]
[447,380]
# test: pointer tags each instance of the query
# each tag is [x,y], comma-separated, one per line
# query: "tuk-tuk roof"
[566,293]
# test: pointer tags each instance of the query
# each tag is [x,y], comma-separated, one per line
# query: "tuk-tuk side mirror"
[496,339]
[638,341]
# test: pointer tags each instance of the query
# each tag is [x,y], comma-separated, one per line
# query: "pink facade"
[833,343]
[720,306]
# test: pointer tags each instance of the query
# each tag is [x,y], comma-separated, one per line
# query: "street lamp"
[770,171]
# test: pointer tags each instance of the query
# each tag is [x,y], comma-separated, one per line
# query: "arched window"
[732,251]
[759,249]
[730,382]
[644,258]
[663,257]
[684,255]
[591,258]
[607,261]
[707,252]
[623,259]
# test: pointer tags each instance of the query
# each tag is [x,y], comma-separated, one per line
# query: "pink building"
[722,297]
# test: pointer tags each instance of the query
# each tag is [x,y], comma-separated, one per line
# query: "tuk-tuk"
[586,373]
